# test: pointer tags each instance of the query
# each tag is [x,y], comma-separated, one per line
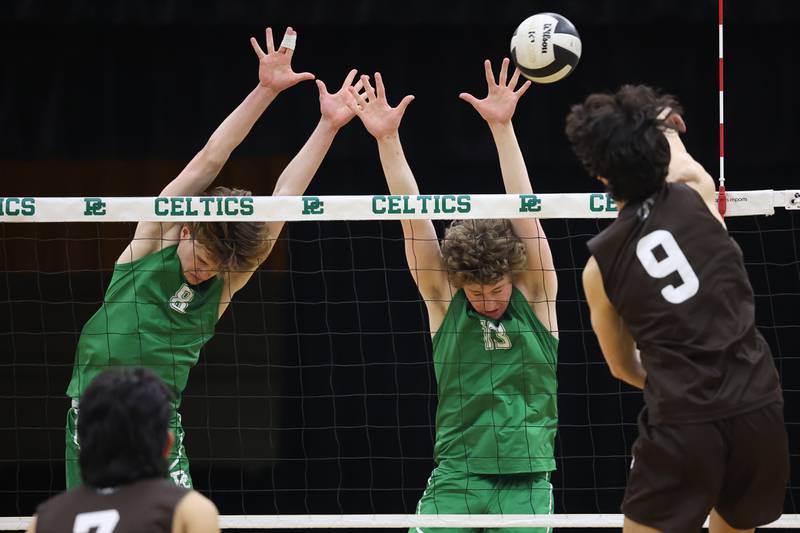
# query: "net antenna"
[721,199]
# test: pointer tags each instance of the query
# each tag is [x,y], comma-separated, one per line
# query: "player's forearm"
[295,178]
[630,371]
[683,168]
[204,167]
[238,124]
[616,341]
[399,176]
[512,164]
[400,180]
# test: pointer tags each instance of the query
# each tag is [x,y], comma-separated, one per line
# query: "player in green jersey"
[173,281]
[490,292]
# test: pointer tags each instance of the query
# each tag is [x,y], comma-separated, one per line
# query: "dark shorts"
[738,466]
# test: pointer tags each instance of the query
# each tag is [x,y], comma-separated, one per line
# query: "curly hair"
[620,137]
[481,251]
[238,246]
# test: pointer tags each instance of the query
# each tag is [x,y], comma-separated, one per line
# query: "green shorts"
[178,462]
[451,491]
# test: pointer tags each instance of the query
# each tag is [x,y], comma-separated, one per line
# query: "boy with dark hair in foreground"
[125,441]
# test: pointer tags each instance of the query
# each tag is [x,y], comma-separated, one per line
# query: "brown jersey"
[678,281]
[146,505]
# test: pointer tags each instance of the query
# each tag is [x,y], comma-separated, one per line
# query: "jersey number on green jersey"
[495,336]
[180,300]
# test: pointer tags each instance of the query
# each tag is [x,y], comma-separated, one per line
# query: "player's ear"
[170,443]
[602,180]
[186,233]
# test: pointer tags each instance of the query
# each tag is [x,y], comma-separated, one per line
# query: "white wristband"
[289,41]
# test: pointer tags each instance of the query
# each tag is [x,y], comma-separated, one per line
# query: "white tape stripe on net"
[376,207]
[786,521]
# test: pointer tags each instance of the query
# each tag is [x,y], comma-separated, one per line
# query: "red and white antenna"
[721,202]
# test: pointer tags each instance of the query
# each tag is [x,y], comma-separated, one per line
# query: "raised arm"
[275,74]
[421,245]
[538,281]
[683,168]
[295,178]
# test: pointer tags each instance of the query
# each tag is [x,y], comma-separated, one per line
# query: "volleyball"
[546,47]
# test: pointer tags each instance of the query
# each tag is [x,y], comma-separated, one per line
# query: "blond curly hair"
[238,246]
[481,251]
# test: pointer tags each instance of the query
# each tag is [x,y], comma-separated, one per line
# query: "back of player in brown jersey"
[665,277]
[125,440]
[678,282]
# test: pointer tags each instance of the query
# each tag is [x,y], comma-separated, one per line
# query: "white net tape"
[389,521]
[376,207]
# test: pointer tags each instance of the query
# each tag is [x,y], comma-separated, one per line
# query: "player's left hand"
[275,67]
[334,106]
[498,106]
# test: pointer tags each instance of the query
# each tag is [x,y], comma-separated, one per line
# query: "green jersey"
[497,410]
[150,317]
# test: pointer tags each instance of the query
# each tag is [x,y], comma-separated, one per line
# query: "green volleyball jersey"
[151,317]
[497,410]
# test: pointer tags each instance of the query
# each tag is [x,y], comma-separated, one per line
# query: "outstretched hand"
[275,67]
[335,107]
[372,107]
[499,105]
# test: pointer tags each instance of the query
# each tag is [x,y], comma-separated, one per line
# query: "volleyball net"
[314,403]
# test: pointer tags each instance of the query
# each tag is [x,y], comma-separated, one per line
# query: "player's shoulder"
[692,204]
[591,268]
[195,514]
[194,501]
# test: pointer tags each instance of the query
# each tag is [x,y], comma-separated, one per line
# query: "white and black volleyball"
[545,47]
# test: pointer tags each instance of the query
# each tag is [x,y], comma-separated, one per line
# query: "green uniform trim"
[497,411]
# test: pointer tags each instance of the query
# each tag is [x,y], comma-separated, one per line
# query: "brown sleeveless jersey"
[146,505]
[678,281]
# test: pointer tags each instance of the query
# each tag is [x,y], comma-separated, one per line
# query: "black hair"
[123,419]
[621,138]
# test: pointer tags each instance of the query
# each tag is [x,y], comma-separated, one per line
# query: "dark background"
[317,393]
